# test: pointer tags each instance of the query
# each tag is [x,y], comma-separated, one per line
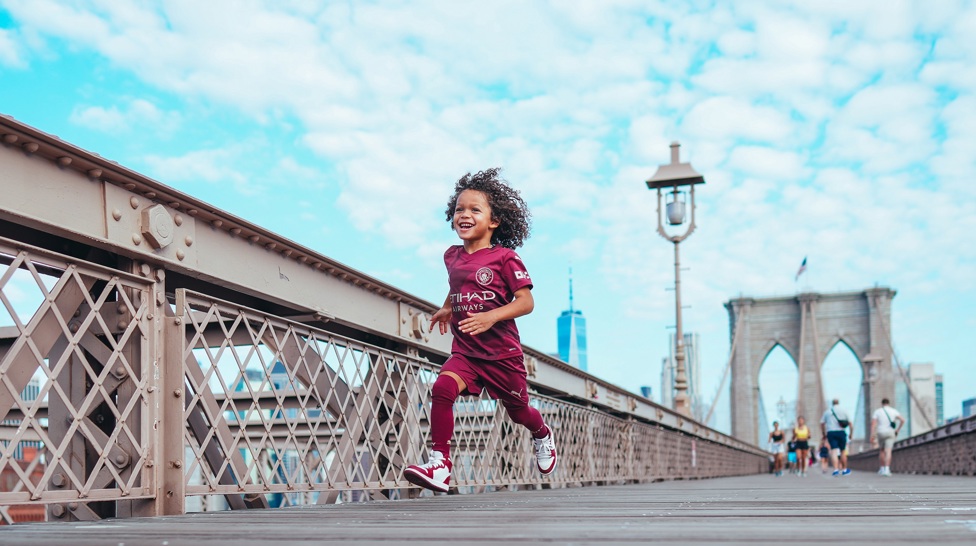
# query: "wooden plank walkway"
[858,509]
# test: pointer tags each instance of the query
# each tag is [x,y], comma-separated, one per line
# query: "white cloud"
[728,118]
[823,129]
[779,165]
[10,51]
[133,114]
[213,166]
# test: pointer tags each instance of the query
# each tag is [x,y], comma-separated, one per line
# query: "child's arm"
[442,316]
[477,323]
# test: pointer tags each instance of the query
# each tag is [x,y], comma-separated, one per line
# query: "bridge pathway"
[862,508]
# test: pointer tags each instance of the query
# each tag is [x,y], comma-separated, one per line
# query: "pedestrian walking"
[834,425]
[824,454]
[776,442]
[801,437]
[886,423]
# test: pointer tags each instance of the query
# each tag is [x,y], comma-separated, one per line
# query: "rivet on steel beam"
[150,463]
[134,202]
[235,231]
[179,320]
[9,139]
[254,238]
[271,246]
[150,194]
[30,147]
[191,212]
[95,173]
[116,214]
[58,479]
[123,324]
[177,464]
[180,254]
[73,326]
[189,241]
[218,223]
[174,204]
[57,510]
[120,372]
[72,506]
[287,252]
[177,392]
[121,460]
[129,186]
[150,316]
[178,219]
[121,308]
[136,239]
[64,161]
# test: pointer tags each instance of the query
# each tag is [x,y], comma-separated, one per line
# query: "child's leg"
[527,416]
[443,394]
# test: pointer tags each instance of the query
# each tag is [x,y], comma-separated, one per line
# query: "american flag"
[803,267]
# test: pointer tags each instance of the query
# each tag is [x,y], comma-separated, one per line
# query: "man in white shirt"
[834,425]
[884,430]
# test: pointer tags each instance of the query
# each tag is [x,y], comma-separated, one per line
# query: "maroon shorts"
[504,380]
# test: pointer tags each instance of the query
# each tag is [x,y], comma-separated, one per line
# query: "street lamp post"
[673,176]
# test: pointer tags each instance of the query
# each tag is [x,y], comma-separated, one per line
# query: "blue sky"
[840,131]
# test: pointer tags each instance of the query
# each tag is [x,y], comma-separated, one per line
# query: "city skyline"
[821,130]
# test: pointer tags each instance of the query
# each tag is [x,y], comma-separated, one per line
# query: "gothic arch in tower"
[808,326]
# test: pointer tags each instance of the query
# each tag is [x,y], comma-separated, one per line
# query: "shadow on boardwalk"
[858,509]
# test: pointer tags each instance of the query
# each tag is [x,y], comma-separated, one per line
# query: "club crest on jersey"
[484,276]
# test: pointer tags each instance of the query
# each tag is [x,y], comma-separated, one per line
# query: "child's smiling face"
[472,219]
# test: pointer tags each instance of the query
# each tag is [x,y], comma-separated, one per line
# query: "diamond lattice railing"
[284,414]
[72,387]
[276,413]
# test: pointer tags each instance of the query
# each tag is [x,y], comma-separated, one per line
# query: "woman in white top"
[776,440]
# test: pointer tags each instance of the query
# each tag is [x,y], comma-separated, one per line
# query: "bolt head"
[157,226]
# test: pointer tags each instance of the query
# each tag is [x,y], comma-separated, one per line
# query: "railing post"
[170,474]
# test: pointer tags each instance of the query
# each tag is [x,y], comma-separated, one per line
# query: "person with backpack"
[884,430]
[834,425]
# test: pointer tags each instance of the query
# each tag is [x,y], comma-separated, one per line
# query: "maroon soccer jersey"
[482,281]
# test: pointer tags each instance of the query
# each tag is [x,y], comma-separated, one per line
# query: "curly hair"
[507,206]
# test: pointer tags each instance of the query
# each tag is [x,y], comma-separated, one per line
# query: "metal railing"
[947,450]
[145,379]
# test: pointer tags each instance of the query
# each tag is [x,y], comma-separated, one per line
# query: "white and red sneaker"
[434,475]
[545,453]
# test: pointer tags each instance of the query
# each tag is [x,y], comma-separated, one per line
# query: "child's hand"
[476,323]
[441,317]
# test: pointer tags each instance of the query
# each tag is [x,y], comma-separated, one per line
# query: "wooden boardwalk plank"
[861,508]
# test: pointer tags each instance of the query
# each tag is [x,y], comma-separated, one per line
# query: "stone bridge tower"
[808,326]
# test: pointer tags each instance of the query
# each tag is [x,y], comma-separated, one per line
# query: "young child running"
[489,288]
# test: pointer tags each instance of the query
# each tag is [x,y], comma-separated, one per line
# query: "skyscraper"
[923,400]
[571,331]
